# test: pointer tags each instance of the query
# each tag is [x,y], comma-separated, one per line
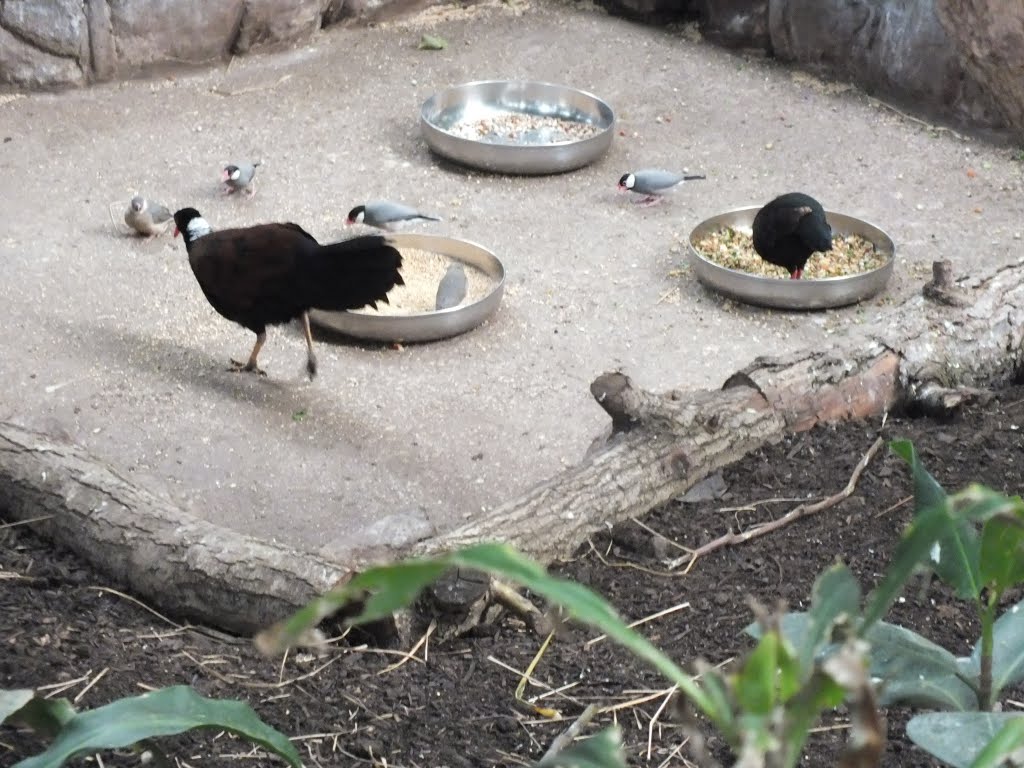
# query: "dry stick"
[411,655]
[657,714]
[566,738]
[139,603]
[754,505]
[57,688]
[892,507]
[511,599]
[638,622]
[91,683]
[661,536]
[796,513]
[674,752]
[25,522]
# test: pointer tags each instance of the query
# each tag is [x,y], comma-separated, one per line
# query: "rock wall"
[60,43]
[960,58]
[989,40]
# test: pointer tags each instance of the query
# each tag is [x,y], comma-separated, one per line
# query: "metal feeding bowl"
[792,294]
[517,126]
[425,326]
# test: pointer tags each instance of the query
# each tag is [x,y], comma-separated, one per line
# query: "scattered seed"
[734,249]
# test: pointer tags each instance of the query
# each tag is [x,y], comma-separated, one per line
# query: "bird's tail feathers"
[353,273]
[694,177]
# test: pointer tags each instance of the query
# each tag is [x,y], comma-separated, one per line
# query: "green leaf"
[956,560]
[1008,740]
[1007,649]
[756,684]
[957,738]
[929,526]
[165,712]
[44,716]
[432,43]
[1002,552]
[835,598]
[393,587]
[11,700]
[916,671]
[602,750]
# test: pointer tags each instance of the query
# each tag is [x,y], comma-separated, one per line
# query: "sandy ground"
[108,340]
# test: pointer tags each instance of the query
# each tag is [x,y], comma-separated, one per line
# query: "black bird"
[273,273]
[789,229]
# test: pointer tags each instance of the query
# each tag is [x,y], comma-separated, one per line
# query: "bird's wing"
[159,212]
[658,179]
[788,219]
[253,275]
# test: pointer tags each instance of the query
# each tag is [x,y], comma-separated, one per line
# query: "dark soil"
[57,625]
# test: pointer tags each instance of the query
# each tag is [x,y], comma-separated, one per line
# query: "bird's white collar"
[198,227]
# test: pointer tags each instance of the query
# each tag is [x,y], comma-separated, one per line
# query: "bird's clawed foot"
[227,190]
[250,367]
[648,201]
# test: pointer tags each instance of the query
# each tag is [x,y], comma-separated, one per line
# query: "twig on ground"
[534,681]
[895,506]
[636,702]
[411,655]
[650,726]
[661,536]
[803,510]
[569,735]
[605,561]
[58,688]
[25,522]
[752,507]
[638,622]
[251,88]
[511,599]
[205,666]
[89,685]
[139,603]
[674,752]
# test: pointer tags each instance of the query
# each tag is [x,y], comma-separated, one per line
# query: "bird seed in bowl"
[734,249]
[422,272]
[524,128]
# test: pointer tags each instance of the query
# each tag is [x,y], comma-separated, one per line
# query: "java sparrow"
[452,288]
[385,214]
[147,217]
[240,177]
[653,183]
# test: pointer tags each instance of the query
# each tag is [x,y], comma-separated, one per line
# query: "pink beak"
[224,175]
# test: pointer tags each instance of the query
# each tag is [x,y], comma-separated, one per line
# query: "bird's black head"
[627,181]
[230,172]
[190,224]
[356,215]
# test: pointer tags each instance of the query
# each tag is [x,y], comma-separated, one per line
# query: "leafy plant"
[764,710]
[974,542]
[129,721]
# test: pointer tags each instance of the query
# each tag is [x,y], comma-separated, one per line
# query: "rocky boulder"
[889,47]
[57,43]
[988,36]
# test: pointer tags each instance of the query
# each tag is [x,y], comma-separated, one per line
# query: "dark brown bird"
[789,229]
[273,273]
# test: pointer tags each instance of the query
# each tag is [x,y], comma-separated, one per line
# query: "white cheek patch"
[360,217]
[197,228]
[235,174]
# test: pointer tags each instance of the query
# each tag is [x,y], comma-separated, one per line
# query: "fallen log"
[174,561]
[938,355]
[658,445]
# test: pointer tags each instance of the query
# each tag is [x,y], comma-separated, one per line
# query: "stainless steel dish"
[792,294]
[447,117]
[425,326]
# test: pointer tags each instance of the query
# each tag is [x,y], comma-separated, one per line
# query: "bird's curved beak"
[224,175]
[349,222]
[176,231]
